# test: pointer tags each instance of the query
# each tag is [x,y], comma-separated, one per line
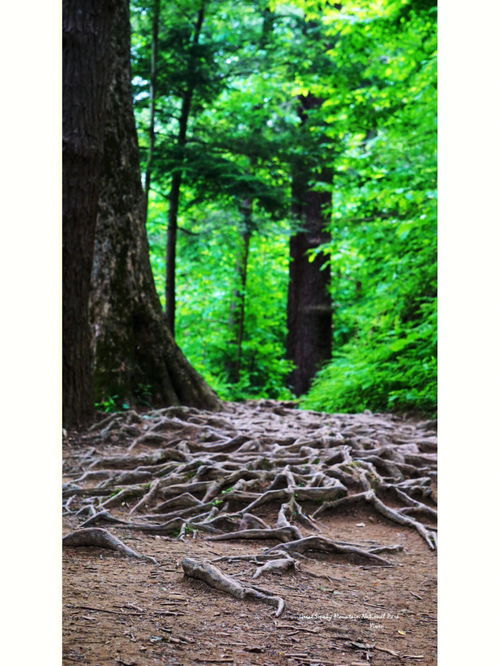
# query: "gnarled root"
[96,536]
[216,578]
[395,515]
[197,472]
[328,546]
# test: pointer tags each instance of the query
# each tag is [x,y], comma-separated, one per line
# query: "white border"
[30,268]
[469,333]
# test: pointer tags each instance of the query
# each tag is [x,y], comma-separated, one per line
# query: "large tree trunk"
[86,35]
[309,342]
[136,359]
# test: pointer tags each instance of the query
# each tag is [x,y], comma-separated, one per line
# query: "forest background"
[468,320]
[220,92]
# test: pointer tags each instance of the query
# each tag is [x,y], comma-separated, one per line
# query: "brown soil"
[123,611]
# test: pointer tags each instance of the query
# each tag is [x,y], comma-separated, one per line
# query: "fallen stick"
[220,581]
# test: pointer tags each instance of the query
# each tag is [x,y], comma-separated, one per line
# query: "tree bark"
[86,35]
[309,315]
[136,359]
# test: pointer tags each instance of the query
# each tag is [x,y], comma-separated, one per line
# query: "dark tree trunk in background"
[237,317]
[155,20]
[309,342]
[86,36]
[136,358]
[175,187]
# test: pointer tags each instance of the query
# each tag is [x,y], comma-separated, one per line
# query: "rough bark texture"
[86,32]
[135,357]
[309,342]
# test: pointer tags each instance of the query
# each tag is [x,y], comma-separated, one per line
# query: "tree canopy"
[372,66]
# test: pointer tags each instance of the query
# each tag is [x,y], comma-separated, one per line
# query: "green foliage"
[392,371]
[207,282]
[373,66]
[111,404]
[383,255]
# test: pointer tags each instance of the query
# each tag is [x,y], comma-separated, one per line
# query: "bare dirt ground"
[340,608]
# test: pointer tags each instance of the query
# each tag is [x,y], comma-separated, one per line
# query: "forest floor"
[342,607]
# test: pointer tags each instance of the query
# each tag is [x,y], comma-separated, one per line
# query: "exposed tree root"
[328,546]
[220,581]
[280,533]
[96,536]
[99,517]
[276,566]
[254,471]
[398,516]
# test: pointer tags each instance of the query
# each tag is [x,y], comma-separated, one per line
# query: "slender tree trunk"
[309,342]
[86,35]
[136,358]
[238,310]
[175,188]
[152,101]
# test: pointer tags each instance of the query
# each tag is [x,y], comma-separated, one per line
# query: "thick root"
[198,473]
[220,581]
[96,536]
[328,546]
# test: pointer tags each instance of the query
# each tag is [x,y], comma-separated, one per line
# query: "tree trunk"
[136,359]
[152,101]
[175,188]
[309,341]
[237,319]
[86,35]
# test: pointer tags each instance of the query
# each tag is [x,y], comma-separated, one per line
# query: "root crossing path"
[256,490]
